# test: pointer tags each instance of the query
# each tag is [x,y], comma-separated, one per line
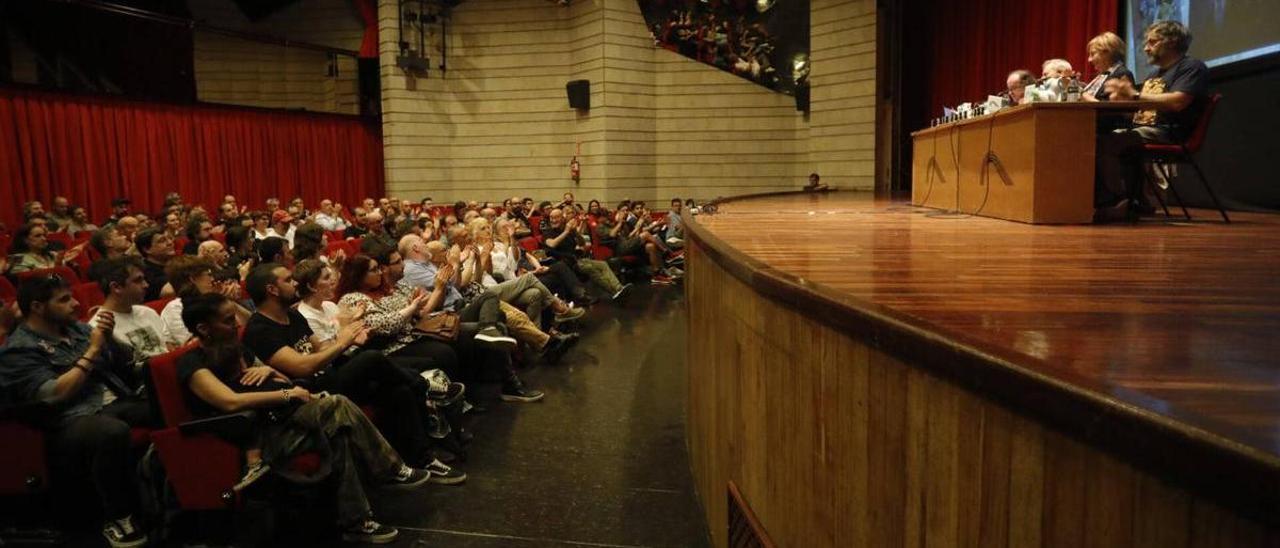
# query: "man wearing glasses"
[56,361]
[1179,86]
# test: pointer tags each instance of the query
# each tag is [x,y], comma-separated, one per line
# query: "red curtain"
[369,14]
[92,149]
[973,45]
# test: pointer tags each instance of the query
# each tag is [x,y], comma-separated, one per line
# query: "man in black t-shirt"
[279,336]
[157,249]
[1180,87]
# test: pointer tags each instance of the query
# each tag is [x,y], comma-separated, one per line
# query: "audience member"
[119,210]
[282,337]
[52,359]
[157,250]
[190,276]
[110,243]
[137,330]
[79,222]
[222,376]
[30,251]
[60,217]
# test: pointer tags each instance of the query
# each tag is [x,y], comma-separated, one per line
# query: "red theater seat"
[64,272]
[90,296]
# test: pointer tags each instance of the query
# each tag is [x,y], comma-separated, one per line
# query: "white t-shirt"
[140,331]
[323,321]
[172,316]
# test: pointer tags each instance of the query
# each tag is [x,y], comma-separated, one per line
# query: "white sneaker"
[122,533]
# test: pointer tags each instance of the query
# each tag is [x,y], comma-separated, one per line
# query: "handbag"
[441,326]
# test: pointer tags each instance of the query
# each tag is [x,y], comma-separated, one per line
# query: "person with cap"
[119,210]
[282,226]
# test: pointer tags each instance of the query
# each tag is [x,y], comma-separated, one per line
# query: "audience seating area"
[207,463]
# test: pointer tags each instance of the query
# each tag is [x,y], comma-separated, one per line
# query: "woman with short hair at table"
[1106,54]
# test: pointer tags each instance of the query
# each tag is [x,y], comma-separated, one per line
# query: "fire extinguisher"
[575,168]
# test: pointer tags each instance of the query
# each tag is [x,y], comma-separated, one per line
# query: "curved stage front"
[867,373]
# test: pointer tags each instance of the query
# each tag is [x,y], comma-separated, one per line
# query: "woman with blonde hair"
[1106,54]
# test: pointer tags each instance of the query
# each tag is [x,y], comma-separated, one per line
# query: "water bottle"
[1073,89]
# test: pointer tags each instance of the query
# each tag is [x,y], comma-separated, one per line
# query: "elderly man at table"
[1180,87]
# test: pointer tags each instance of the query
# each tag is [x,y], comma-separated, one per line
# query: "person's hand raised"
[348,334]
[102,330]
[444,275]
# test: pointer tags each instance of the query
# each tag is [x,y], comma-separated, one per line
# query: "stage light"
[763,5]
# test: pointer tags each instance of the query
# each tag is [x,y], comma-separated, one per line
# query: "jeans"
[371,378]
[99,444]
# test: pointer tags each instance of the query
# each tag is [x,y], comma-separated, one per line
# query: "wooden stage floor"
[1178,319]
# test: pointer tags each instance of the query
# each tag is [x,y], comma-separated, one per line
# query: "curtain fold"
[92,149]
[973,45]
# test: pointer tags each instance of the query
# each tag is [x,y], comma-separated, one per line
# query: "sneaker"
[370,532]
[122,533]
[662,279]
[517,393]
[409,478]
[495,338]
[443,474]
[674,241]
[675,272]
[557,345]
[571,314]
[622,291]
[252,473]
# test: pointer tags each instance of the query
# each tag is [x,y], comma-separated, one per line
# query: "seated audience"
[30,251]
[138,331]
[60,215]
[223,376]
[53,359]
[157,250]
[330,217]
[109,242]
[190,276]
[563,241]
[1180,87]
[283,339]
[198,231]
[79,222]
[119,210]
[282,226]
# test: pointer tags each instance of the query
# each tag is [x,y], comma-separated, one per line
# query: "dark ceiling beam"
[205,27]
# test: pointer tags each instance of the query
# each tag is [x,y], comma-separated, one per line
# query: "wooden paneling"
[1041,490]
[841,435]
[236,71]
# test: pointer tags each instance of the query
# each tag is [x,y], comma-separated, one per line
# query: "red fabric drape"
[975,44]
[369,14]
[91,149]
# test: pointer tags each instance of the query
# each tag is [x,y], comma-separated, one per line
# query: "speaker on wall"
[802,98]
[579,94]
